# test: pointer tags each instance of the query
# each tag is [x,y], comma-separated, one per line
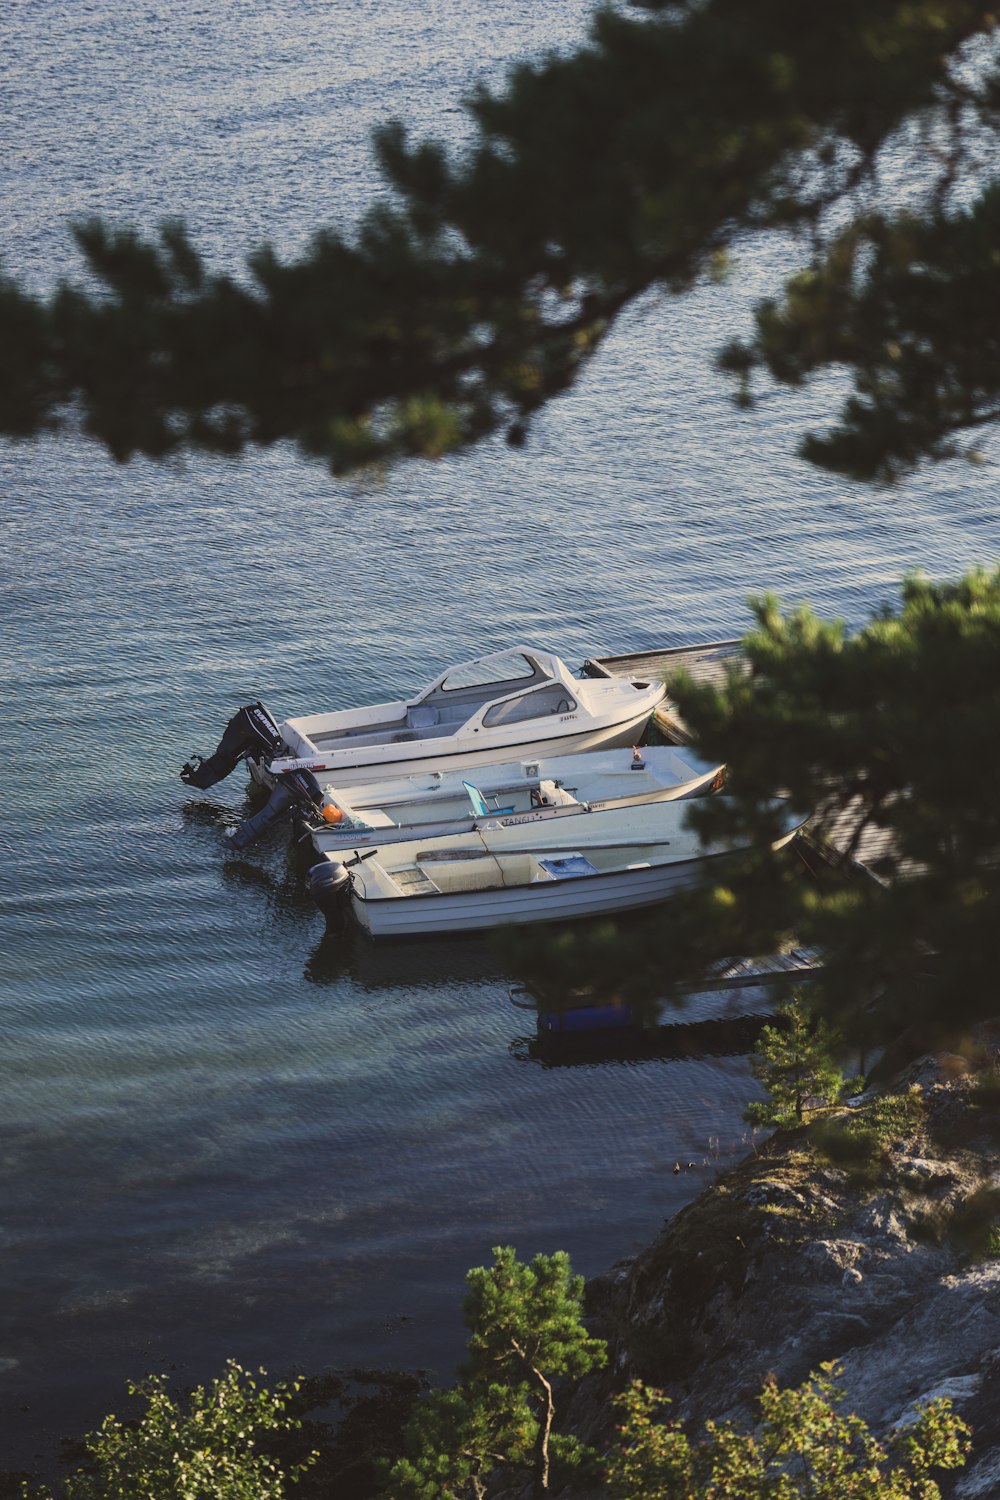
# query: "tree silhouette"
[483,286]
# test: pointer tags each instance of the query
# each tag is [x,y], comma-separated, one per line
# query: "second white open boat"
[513,794]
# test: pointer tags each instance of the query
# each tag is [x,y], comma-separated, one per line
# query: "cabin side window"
[536,705]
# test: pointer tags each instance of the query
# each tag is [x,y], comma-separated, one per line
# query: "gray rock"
[958,1389]
[793,1263]
[833,1257]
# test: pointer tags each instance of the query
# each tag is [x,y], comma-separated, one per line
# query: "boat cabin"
[512,687]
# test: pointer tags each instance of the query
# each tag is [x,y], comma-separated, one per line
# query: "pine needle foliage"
[795,1064]
[883,740]
[887,733]
[525,1333]
[482,287]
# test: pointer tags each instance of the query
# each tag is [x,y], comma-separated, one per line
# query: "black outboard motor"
[250,731]
[294,791]
[330,884]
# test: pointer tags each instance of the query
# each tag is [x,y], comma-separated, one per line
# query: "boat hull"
[548,901]
[348,768]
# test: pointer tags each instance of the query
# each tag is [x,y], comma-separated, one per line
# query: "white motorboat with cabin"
[483,880]
[522,702]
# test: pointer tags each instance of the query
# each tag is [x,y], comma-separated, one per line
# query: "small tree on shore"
[804,1449]
[212,1445]
[525,1332]
[794,1062]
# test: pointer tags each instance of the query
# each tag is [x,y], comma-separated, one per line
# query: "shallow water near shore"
[225,1130]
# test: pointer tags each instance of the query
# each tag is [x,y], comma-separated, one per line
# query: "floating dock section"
[581,1027]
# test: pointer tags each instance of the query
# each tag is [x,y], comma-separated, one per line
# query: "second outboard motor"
[296,789]
[250,730]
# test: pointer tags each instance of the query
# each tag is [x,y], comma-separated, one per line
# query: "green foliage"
[525,1332]
[890,732]
[215,1445]
[893,1117]
[974,1225]
[526,1318]
[457,1438]
[638,160]
[895,300]
[794,1062]
[888,735]
[859,1141]
[804,1449]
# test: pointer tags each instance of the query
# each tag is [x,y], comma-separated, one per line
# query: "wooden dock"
[706,663]
[840,849]
[742,973]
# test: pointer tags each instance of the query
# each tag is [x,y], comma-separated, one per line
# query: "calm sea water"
[223,1131]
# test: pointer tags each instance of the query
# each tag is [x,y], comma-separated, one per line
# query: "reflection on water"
[405,963]
[626,1041]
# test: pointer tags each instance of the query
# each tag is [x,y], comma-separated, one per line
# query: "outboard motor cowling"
[329,884]
[251,730]
[296,790]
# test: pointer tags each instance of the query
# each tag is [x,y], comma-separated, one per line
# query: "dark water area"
[224,1130]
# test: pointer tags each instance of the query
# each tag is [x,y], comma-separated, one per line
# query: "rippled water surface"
[222,1131]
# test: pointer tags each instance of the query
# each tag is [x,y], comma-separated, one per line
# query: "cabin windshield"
[508,667]
[533,705]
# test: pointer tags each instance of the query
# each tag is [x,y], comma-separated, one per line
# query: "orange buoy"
[333,814]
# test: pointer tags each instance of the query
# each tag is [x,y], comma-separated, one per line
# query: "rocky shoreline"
[870,1238]
[875,1247]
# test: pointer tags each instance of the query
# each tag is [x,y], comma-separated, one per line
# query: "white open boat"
[522,702]
[513,794]
[483,880]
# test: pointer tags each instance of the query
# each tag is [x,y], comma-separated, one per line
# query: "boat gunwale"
[542,885]
[318,762]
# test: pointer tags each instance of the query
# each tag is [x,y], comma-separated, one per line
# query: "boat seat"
[551,794]
[374,817]
[480,806]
